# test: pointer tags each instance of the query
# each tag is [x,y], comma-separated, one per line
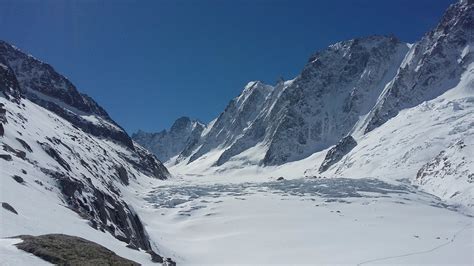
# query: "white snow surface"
[41,209]
[204,220]
[12,256]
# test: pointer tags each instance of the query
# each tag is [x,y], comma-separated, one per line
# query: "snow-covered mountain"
[296,118]
[422,122]
[309,113]
[433,65]
[321,105]
[66,166]
[362,100]
[167,144]
[41,84]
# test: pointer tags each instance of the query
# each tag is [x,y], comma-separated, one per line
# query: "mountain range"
[371,107]
[343,96]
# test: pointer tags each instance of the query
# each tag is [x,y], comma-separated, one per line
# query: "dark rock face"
[105,211]
[18,179]
[169,262]
[435,64]
[9,86]
[55,155]
[9,207]
[6,157]
[122,174]
[149,164]
[238,115]
[335,154]
[18,153]
[24,144]
[3,117]
[62,249]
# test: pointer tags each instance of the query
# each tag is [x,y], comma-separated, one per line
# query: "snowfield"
[304,221]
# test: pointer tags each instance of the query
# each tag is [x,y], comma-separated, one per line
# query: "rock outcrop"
[335,154]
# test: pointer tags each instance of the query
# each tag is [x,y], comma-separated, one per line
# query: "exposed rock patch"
[8,207]
[24,144]
[6,157]
[62,249]
[122,174]
[18,179]
[336,153]
[55,155]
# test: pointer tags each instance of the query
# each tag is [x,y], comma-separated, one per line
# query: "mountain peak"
[170,143]
[433,65]
[40,83]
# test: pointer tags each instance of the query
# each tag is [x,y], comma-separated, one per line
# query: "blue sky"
[150,62]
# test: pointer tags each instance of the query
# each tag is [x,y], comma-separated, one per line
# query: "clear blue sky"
[149,62]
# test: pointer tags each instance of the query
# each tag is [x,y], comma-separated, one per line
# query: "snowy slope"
[433,65]
[430,144]
[58,177]
[216,221]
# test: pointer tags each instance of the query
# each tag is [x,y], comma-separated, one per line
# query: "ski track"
[453,238]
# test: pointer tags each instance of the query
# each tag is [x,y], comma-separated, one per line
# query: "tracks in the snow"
[453,238]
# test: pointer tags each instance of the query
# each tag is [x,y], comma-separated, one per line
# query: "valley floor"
[198,220]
